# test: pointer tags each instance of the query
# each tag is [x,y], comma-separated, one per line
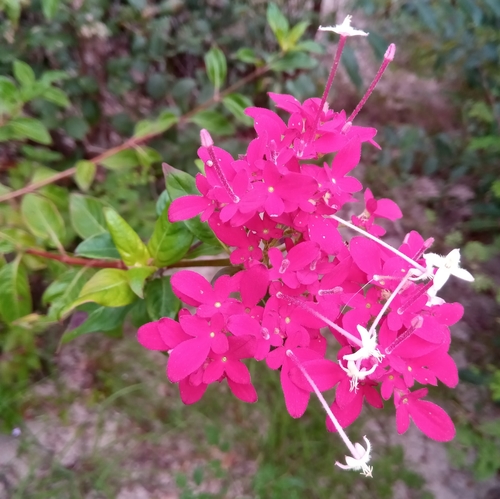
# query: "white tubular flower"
[355,373]
[369,347]
[361,461]
[344,29]
[447,265]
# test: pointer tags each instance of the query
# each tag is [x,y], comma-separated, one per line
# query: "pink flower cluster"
[302,285]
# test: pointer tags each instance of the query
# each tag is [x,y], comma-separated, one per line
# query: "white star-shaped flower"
[344,29]
[355,373]
[361,461]
[368,348]
[447,265]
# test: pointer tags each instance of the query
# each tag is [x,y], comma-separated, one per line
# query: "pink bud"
[206,139]
[390,52]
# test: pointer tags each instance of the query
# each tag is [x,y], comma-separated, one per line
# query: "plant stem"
[134,141]
[118,264]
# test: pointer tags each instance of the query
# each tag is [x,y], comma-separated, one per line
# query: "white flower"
[344,29]
[368,348]
[447,265]
[355,373]
[361,461]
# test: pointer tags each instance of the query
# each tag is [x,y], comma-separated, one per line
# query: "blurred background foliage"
[84,85]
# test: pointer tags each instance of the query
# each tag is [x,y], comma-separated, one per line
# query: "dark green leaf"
[247,55]
[156,85]
[292,61]
[132,250]
[98,246]
[100,319]
[160,299]
[76,127]
[350,62]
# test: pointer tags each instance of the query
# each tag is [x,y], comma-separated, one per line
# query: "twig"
[134,141]
[118,264]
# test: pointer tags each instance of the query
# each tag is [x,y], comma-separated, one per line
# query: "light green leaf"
[247,55]
[236,105]
[121,160]
[43,219]
[155,127]
[137,278]
[98,246]
[179,184]
[295,34]
[49,8]
[41,154]
[213,121]
[108,287]
[23,73]
[216,66]
[170,241]
[85,173]
[30,128]
[86,215]
[100,319]
[58,97]
[15,297]
[12,239]
[277,22]
[292,61]
[147,156]
[132,250]
[161,300]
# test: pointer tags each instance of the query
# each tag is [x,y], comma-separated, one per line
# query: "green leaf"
[64,290]
[13,239]
[137,278]
[170,241]
[247,55]
[216,66]
[58,97]
[179,184]
[121,160]
[85,173]
[156,85]
[43,219]
[277,22]
[132,250]
[49,8]
[76,127]
[23,73]
[147,156]
[310,46]
[236,105]
[86,215]
[108,287]
[100,319]
[161,300]
[213,121]
[41,154]
[30,128]
[295,34]
[15,297]
[155,127]
[292,61]
[203,250]
[98,246]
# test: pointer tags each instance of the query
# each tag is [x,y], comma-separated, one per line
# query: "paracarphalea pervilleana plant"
[301,283]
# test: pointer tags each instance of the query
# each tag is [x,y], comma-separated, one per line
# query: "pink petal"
[213,372]
[347,158]
[219,343]
[243,324]
[386,208]
[296,400]
[246,393]
[149,337]
[431,420]
[186,358]
[171,332]
[238,372]
[191,287]
[189,393]
[187,207]
[325,374]
[402,418]
[254,285]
